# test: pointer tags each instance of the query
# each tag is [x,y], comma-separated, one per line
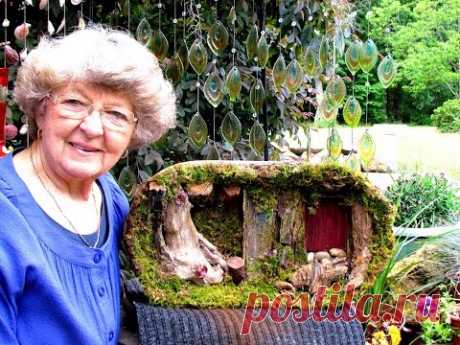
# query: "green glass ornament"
[198,57]
[217,38]
[262,51]
[334,144]
[311,63]
[368,56]
[198,130]
[213,152]
[257,138]
[257,96]
[233,83]
[324,52]
[144,32]
[327,114]
[352,112]
[352,57]
[279,73]
[230,128]
[159,45]
[386,71]
[214,89]
[294,76]
[353,163]
[366,148]
[336,91]
[251,42]
[174,69]
[339,41]
[127,179]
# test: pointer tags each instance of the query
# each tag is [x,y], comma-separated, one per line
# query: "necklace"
[62,211]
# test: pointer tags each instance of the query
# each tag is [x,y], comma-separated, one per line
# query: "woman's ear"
[40,113]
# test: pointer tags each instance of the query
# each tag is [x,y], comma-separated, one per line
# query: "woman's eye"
[118,115]
[73,102]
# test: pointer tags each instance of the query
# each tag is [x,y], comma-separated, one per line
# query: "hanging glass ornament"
[198,57]
[279,73]
[217,38]
[213,152]
[251,42]
[127,179]
[353,163]
[174,69]
[232,15]
[257,138]
[339,40]
[311,63]
[386,71]
[144,32]
[262,50]
[352,112]
[336,91]
[324,52]
[159,45]
[22,31]
[294,76]
[326,113]
[366,148]
[334,144]
[352,57]
[257,96]
[230,128]
[214,89]
[368,56]
[198,130]
[183,53]
[233,83]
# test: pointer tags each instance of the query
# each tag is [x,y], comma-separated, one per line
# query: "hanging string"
[159,14]
[91,11]
[234,35]
[129,15]
[367,74]
[65,22]
[175,26]
[5,25]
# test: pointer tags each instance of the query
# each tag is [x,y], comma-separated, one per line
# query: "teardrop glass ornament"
[339,40]
[294,76]
[232,15]
[198,57]
[353,163]
[230,128]
[174,69]
[262,51]
[257,96]
[198,130]
[159,45]
[324,52]
[233,83]
[257,138]
[368,56]
[218,38]
[251,42]
[334,144]
[311,63]
[352,112]
[279,73]
[214,89]
[352,57]
[127,179]
[366,148]
[213,152]
[144,32]
[386,71]
[326,113]
[336,90]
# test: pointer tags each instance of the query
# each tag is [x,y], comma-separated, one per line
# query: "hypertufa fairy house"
[205,234]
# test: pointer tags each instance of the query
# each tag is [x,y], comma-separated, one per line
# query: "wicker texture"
[165,326]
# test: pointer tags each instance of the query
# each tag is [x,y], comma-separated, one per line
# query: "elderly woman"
[89,97]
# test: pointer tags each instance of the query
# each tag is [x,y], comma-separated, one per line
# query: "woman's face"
[78,147]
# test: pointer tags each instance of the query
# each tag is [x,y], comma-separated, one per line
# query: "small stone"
[326,262]
[310,257]
[337,252]
[339,260]
[322,255]
[284,286]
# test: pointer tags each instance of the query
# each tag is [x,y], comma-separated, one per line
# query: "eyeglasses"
[115,118]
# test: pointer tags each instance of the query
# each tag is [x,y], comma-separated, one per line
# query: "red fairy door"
[3,83]
[327,228]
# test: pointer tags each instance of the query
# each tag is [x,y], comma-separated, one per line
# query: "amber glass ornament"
[257,96]
[327,113]
[174,69]
[294,76]
[334,144]
[218,38]
[198,130]
[144,32]
[336,91]
[386,71]
[230,128]
[159,45]
[279,72]
[352,57]
[198,56]
[251,42]
[368,56]
[214,89]
[233,83]
[352,112]
[262,51]
[366,148]
[257,138]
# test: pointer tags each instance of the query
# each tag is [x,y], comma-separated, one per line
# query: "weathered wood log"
[202,189]
[236,269]
[290,213]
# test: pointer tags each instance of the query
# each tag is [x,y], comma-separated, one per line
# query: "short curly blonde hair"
[104,57]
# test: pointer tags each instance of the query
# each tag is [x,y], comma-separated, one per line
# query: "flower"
[395,335]
[379,338]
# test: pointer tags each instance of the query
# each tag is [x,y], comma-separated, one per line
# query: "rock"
[339,260]
[322,255]
[236,269]
[310,257]
[337,252]
[326,262]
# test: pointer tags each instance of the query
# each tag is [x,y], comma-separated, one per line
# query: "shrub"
[447,116]
[424,200]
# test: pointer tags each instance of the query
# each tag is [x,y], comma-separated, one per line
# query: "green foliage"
[447,116]
[424,200]
[436,333]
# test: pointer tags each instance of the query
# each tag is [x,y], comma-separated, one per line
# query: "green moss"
[264,200]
